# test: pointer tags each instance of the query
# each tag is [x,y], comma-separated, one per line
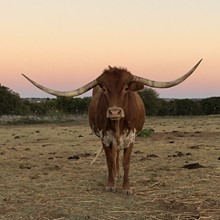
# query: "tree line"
[12,104]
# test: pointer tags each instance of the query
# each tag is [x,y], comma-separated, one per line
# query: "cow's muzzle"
[115,113]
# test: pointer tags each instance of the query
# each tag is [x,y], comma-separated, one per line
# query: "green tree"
[182,107]
[151,100]
[73,105]
[211,105]
[11,103]
[164,108]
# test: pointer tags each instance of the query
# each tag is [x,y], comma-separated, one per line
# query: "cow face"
[116,85]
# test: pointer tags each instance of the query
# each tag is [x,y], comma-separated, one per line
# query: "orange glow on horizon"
[65,44]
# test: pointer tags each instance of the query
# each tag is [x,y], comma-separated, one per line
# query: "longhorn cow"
[116,114]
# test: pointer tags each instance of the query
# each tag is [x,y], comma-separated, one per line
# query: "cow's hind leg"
[126,164]
[111,155]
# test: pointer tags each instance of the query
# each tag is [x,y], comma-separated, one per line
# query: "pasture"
[45,172]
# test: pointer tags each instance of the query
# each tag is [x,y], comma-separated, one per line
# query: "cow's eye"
[126,88]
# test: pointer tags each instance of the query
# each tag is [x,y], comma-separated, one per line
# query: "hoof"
[110,189]
[128,191]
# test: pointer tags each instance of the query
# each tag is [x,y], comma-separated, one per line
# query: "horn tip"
[198,63]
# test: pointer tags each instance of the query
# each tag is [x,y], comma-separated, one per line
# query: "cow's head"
[116,84]
[128,82]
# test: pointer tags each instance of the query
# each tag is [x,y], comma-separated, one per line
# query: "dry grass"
[45,173]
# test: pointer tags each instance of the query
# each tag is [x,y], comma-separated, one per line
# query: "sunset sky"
[64,44]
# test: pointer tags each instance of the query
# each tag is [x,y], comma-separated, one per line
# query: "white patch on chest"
[127,137]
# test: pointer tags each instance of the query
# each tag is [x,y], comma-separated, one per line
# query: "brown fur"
[116,88]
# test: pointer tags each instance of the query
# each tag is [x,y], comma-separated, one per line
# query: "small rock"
[179,154]
[193,166]
[195,147]
[25,166]
[74,157]
[85,155]
[148,157]
[53,167]
[35,176]
[138,152]
[151,155]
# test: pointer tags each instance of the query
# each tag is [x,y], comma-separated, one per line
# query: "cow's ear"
[135,86]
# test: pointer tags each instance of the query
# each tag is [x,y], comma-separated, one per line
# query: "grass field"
[175,172]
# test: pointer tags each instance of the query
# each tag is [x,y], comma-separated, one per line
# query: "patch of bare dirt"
[175,173]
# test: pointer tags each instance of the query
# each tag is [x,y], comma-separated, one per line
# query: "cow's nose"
[115,113]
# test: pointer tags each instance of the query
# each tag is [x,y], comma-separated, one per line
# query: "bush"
[146,132]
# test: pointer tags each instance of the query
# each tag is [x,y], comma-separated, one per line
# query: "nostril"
[115,112]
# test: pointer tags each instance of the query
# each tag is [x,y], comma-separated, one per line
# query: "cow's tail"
[97,155]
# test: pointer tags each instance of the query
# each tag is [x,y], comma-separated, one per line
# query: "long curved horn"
[73,93]
[168,84]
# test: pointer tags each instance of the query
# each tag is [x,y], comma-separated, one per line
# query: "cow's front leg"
[126,164]
[111,155]
[117,165]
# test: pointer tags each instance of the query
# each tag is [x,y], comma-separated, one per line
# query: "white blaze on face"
[127,137]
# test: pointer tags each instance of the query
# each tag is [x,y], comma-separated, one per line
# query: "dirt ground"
[175,173]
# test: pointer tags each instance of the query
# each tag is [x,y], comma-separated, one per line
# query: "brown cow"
[116,114]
